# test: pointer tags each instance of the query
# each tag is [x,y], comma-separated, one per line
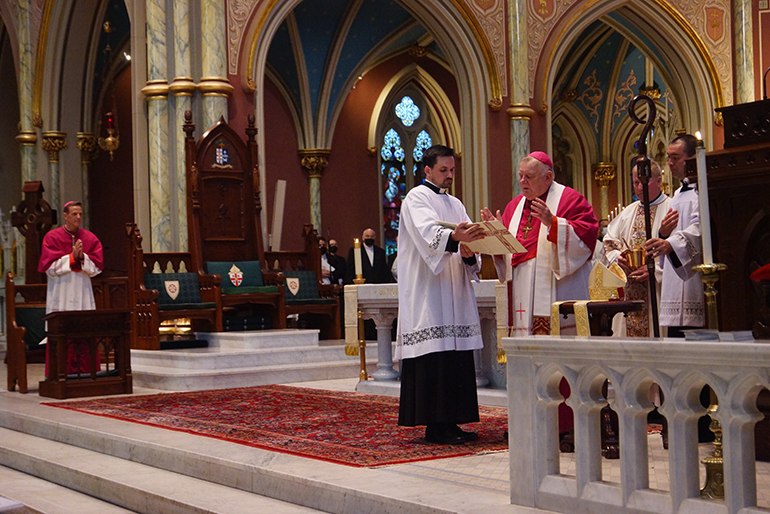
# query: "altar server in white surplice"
[682,301]
[438,318]
[558,229]
[629,227]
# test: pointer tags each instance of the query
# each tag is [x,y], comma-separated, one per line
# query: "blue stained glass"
[391,149]
[407,111]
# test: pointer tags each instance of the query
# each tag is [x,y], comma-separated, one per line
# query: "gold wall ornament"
[652,91]
[37,120]
[719,120]
[112,142]
[87,146]
[604,173]
[569,95]
[251,84]
[418,51]
[314,160]
[520,112]
[372,151]
[54,141]
[26,137]
[496,104]
[544,108]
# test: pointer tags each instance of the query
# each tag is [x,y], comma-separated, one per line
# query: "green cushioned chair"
[189,296]
[240,277]
[307,291]
[31,318]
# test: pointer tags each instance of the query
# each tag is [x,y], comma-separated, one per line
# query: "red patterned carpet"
[346,428]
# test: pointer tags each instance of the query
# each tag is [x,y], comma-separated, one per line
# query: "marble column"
[384,323]
[214,84]
[744,51]
[315,160]
[53,142]
[182,87]
[604,173]
[27,137]
[519,110]
[88,147]
[156,93]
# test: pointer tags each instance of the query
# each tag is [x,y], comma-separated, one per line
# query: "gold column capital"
[27,137]
[520,111]
[215,86]
[314,160]
[604,173]
[87,146]
[155,89]
[53,141]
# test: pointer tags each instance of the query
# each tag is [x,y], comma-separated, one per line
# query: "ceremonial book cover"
[497,239]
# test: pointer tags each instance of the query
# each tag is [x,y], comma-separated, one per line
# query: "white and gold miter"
[603,282]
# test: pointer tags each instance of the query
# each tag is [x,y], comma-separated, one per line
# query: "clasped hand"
[77,250]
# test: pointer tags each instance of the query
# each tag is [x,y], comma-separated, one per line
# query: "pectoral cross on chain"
[526,230]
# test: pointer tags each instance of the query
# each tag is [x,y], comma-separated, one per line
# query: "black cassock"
[438,387]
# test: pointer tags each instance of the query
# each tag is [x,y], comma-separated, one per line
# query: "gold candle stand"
[363,375]
[715,485]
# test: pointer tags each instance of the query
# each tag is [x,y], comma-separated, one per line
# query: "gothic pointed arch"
[662,33]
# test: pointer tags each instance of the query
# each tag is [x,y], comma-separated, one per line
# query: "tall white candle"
[357,256]
[703,203]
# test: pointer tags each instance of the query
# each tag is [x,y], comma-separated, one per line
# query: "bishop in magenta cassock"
[70,257]
[558,229]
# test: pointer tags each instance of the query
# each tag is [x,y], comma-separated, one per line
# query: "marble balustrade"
[379,302]
[736,371]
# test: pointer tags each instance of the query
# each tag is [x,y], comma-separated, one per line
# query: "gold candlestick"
[715,486]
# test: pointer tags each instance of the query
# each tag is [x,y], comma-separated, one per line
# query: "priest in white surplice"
[558,228]
[682,300]
[438,318]
[629,227]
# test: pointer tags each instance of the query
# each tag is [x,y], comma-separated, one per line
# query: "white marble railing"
[736,371]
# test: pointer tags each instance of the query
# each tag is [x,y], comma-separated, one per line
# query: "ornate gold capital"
[604,173]
[314,160]
[27,137]
[496,104]
[652,91]
[520,111]
[182,86]
[53,142]
[569,95]
[87,146]
[155,89]
[215,86]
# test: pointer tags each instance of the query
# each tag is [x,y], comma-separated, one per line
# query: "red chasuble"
[59,242]
[572,206]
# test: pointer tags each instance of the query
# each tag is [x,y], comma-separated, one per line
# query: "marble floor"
[489,472]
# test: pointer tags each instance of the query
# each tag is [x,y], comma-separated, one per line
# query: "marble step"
[116,459]
[130,485]
[227,358]
[175,379]
[260,338]
[43,497]
[486,396]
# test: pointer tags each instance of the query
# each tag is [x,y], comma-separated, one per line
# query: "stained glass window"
[423,142]
[407,111]
[394,187]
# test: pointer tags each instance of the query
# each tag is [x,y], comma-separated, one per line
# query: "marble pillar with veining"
[214,84]
[156,92]
[519,111]
[315,160]
[744,52]
[182,87]
[27,137]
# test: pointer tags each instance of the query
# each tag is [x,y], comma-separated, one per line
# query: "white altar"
[379,302]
